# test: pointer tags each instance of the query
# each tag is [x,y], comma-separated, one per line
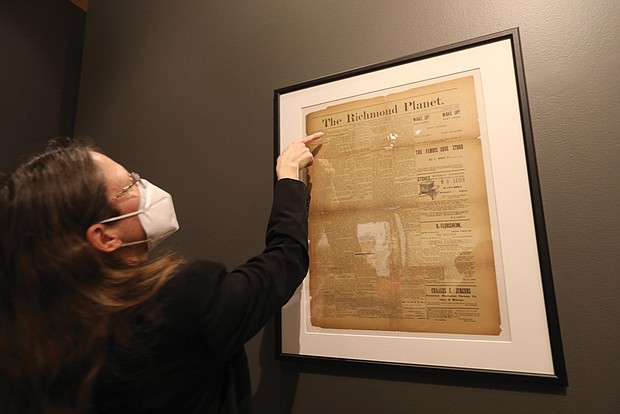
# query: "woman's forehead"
[114,174]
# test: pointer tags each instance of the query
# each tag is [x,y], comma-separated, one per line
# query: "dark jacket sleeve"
[229,308]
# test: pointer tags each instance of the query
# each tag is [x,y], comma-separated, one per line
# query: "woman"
[88,323]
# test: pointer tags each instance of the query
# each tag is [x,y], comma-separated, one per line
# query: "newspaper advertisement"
[399,228]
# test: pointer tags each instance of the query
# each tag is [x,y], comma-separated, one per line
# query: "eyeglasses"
[135,178]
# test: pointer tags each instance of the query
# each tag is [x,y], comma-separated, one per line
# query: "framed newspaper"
[426,229]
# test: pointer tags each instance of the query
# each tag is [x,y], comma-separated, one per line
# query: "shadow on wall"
[276,374]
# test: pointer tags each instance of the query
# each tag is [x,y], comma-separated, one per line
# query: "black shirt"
[197,363]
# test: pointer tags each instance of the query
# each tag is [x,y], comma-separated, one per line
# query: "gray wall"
[40,58]
[182,92]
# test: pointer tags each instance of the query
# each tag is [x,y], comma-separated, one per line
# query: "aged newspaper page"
[400,235]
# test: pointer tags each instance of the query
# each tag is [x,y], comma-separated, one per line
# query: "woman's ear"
[103,238]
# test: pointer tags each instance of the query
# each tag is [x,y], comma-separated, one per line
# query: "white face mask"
[156,214]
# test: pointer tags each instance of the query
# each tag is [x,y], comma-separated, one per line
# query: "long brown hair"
[62,302]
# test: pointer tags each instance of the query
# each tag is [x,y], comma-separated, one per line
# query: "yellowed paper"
[400,234]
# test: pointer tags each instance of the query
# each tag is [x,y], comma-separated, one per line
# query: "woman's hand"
[296,157]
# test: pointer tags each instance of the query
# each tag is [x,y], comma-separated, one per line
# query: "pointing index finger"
[311,138]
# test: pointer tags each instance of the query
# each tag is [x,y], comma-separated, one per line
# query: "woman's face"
[117,178]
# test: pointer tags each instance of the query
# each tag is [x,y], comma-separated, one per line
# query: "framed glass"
[427,240]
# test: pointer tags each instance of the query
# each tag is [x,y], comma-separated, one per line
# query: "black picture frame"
[535,331]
